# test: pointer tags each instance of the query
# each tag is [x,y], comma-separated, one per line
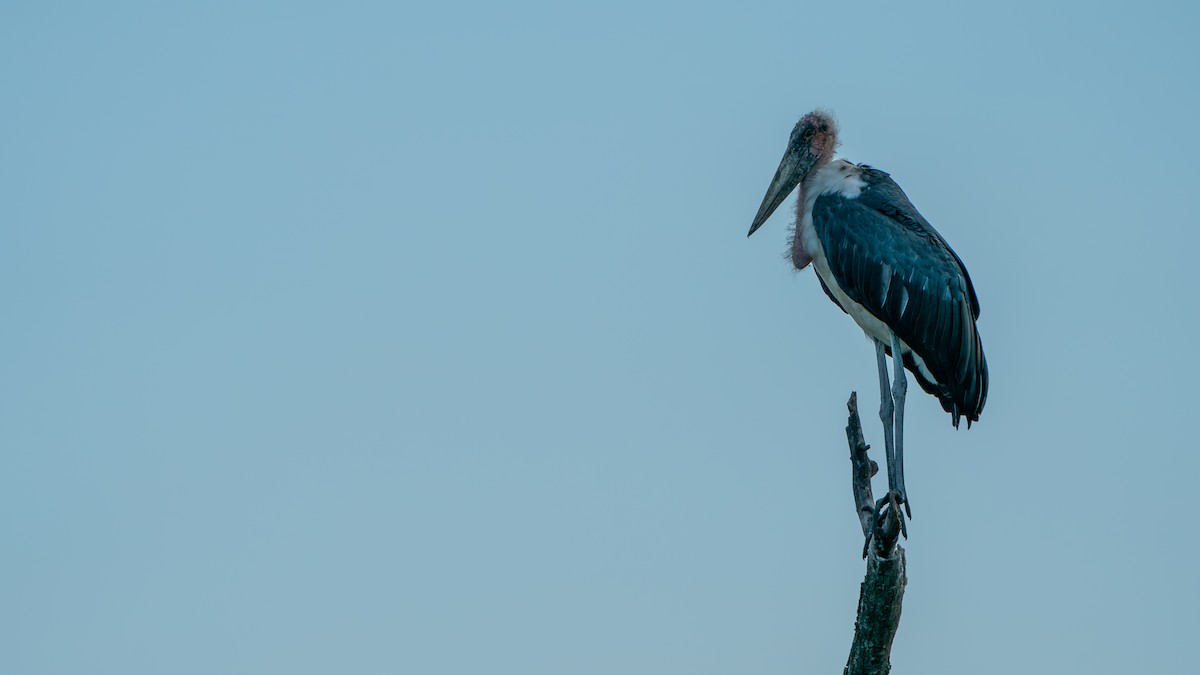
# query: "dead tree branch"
[882,590]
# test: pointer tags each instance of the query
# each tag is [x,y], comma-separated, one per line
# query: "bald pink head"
[820,130]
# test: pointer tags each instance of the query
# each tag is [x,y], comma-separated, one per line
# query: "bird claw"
[901,496]
[894,498]
[884,507]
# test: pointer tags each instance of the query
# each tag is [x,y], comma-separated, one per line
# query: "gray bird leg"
[885,414]
[886,409]
[899,388]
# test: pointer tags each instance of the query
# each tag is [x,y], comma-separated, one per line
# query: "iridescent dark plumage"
[879,259]
[889,259]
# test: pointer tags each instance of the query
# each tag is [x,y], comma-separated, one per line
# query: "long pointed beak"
[794,166]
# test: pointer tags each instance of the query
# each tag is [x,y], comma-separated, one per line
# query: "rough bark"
[882,590]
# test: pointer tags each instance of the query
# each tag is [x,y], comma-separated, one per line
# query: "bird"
[885,265]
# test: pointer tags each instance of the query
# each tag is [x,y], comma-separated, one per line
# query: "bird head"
[811,144]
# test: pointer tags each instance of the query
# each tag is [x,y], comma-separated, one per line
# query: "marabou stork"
[885,266]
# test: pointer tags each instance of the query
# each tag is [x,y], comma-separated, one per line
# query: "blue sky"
[373,338]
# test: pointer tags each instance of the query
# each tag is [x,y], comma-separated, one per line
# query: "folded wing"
[886,257]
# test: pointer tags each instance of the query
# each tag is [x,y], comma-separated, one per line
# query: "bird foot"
[893,499]
[888,505]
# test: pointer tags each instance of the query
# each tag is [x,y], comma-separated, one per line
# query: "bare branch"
[863,469]
[879,603]
[882,591]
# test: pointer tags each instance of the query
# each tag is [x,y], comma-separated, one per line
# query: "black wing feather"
[882,228]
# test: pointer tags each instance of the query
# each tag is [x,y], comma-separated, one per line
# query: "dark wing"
[890,260]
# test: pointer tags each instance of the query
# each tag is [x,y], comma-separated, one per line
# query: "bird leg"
[899,388]
[885,413]
[895,494]
[891,410]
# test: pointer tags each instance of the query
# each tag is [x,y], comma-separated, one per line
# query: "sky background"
[385,338]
